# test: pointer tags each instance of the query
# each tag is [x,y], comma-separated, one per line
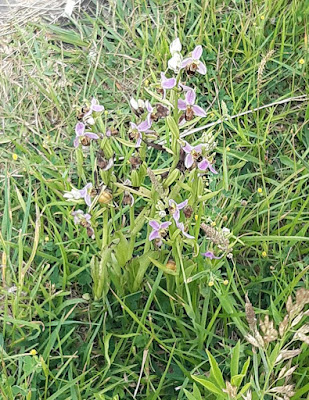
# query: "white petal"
[175,46]
[174,63]
[141,103]
[69,8]
[134,103]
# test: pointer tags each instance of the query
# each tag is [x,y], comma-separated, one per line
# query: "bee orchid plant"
[132,224]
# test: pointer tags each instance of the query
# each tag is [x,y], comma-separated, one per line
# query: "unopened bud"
[171,265]
[105,197]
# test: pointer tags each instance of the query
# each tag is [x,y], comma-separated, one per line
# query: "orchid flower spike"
[83,137]
[193,63]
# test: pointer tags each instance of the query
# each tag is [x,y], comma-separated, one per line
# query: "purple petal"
[171,202]
[91,135]
[83,192]
[165,225]
[168,83]
[187,148]
[203,165]
[87,199]
[87,217]
[139,141]
[210,254]
[79,129]
[202,68]
[182,104]
[186,62]
[76,142]
[143,126]
[180,206]
[187,235]
[108,133]
[197,52]
[190,97]
[180,226]
[198,111]
[198,148]
[154,235]
[185,88]
[189,161]
[176,215]
[154,224]
[88,186]
[212,169]
[133,125]
[149,107]
[97,108]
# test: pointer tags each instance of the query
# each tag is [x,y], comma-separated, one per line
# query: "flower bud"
[171,265]
[105,197]
[175,46]
[172,177]
[188,211]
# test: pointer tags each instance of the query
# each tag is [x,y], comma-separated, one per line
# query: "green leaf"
[243,390]
[208,385]
[216,370]
[122,250]
[235,359]
[173,126]
[163,267]
[208,196]
[189,395]
[126,142]
[237,379]
[196,392]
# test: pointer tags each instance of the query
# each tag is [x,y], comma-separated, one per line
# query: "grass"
[153,335]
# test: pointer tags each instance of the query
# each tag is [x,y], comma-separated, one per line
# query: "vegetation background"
[56,341]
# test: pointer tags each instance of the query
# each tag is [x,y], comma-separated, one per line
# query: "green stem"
[105,228]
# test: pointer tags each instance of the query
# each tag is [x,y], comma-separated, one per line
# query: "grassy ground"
[57,341]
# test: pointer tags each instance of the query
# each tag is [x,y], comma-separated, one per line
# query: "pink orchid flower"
[194,153]
[167,83]
[136,130]
[175,208]
[83,193]
[158,230]
[181,226]
[80,134]
[210,255]
[80,217]
[194,61]
[189,105]
[94,107]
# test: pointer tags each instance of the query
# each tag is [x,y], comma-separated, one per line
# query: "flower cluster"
[178,107]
